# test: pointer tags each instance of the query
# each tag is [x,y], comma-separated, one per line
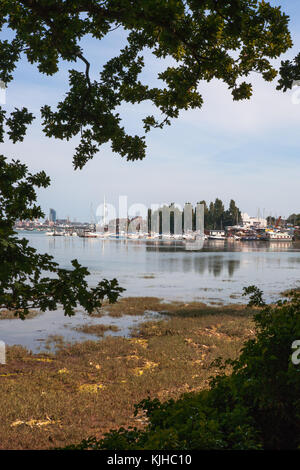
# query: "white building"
[257,222]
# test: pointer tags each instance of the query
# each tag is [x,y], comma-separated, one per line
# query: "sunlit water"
[216,273]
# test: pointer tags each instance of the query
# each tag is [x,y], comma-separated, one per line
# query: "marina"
[236,235]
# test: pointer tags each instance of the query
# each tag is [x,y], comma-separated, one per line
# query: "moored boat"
[278,236]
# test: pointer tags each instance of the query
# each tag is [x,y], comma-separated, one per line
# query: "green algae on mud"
[140,305]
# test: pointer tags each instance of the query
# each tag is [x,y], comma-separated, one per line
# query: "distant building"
[117,225]
[137,224]
[257,222]
[62,221]
[52,215]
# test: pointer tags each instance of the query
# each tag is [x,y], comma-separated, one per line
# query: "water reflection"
[221,246]
[213,264]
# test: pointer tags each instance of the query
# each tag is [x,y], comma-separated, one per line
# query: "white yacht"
[278,236]
[217,235]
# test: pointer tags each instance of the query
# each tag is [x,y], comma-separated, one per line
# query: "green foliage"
[216,217]
[256,296]
[289,72]
[17,123]
[294,219]
[204,40]
[22,282]
[257,406]
[271,220]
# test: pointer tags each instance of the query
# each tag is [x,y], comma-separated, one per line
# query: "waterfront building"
[115,226]
[257,222]
[137,224]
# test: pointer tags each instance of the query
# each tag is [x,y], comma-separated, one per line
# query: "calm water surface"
[216,273]
[219,271]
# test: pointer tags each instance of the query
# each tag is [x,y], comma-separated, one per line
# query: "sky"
[246,150]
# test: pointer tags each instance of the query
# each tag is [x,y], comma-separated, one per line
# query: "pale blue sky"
[248,151]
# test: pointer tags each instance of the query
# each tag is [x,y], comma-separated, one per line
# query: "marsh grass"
[97,330]
[139,305]
[288,292]
[12,315]
[54,342]
[130,306]
[83,389]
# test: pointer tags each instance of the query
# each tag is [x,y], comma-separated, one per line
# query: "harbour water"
[214,274]
[217,272]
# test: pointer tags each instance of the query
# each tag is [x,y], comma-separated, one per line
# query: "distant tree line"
[217,218]
[271,220]
[294,219]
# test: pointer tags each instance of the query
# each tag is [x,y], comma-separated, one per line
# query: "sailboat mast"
[104,213]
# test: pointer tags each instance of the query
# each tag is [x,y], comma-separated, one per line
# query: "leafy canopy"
[204,39]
